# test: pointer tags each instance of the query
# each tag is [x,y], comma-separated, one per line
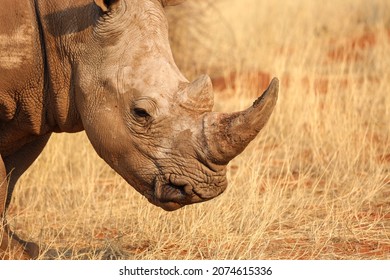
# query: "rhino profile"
[105,66]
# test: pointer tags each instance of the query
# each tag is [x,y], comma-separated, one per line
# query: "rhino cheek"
[113,143]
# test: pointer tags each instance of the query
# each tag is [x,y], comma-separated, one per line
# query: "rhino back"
[21,74]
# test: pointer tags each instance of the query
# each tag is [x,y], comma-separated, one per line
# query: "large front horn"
[227,135]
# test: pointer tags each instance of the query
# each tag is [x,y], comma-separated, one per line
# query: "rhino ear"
[106,5]
[171,2]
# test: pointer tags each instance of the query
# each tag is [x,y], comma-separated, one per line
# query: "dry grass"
[314,185]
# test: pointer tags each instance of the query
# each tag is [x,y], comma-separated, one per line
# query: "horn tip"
[270,93]
[273,85]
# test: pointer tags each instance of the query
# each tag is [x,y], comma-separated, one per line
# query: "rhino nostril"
[177,187]
[173,189]
[169,192]
[179,183]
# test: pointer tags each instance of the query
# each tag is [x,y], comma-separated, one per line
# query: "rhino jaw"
[172,192]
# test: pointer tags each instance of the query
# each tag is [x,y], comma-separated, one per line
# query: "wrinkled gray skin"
[106,67]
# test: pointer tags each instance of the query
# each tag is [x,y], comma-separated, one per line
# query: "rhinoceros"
[106,67]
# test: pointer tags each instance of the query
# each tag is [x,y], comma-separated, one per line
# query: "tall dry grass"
[314,185]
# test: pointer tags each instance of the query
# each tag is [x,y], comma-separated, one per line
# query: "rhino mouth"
[172,192]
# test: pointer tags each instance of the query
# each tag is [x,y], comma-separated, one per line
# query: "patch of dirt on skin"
[15,48]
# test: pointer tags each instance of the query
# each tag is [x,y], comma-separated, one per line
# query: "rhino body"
[105,66]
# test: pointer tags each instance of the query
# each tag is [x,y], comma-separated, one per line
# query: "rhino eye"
[141,113]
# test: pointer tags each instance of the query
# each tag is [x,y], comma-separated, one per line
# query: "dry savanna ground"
[314,185]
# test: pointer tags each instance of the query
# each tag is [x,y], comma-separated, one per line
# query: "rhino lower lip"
[170,206]
[167,206]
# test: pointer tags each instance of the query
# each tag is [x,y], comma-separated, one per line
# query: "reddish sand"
[344,50]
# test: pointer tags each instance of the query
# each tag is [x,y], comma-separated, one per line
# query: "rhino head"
[145,119]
